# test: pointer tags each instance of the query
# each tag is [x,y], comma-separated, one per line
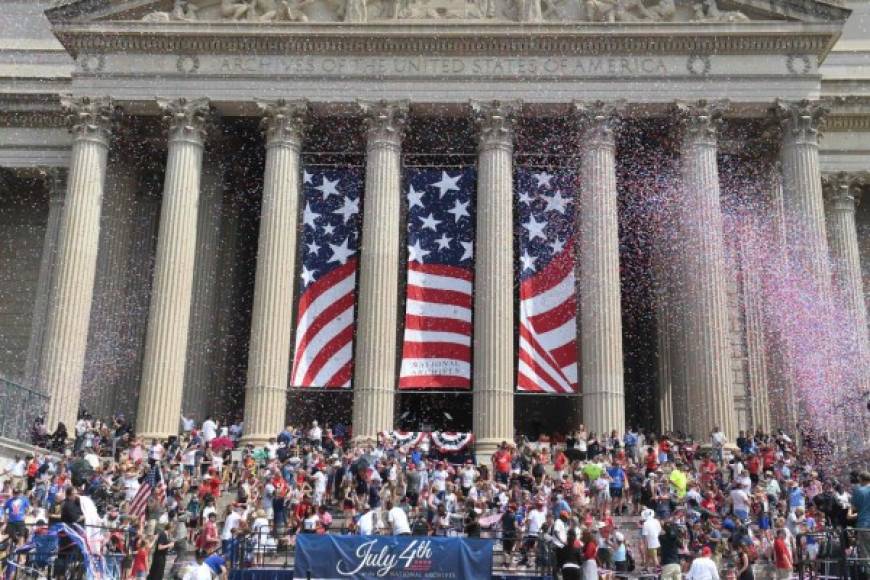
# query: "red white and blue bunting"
[451,441]
[406,438]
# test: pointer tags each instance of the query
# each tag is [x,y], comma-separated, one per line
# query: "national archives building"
[156,158]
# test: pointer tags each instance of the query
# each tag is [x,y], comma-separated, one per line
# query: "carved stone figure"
[355,11]
[236,9]
[708,11]
[291,10]
[599,10]
[530,11]
[662,12]
[181,10]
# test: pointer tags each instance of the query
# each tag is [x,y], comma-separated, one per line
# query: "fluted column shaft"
[846,266]
[199,379]
[756,346]
[169,318]
[803,204]
[379,266]
[56,182]
[665,365]
[269,354]
[600,301]
[66,333]
[494,278]
[711,403]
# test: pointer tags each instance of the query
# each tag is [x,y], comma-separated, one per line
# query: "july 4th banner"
[436,351]
[391,557]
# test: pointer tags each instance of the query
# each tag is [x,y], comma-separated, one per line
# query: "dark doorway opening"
[329,407]
[428,411]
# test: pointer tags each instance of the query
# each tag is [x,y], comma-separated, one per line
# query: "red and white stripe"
[324,331]
[548,328]
[437,343]
[140,501]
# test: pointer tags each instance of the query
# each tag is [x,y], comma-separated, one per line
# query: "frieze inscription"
[447,66]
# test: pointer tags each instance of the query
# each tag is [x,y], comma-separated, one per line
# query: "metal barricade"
[19,408]
[833,554]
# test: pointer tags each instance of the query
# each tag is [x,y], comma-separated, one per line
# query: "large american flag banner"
[548,307]
[437,343]
[323,355]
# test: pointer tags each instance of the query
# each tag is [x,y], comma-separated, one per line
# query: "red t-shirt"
[140,561]
[782,556]
[503,462]
[651,462]
[590,550]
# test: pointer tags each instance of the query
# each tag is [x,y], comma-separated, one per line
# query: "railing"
[19,408]
[833,554]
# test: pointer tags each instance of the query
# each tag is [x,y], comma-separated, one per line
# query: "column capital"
[799,120]
[599,121]
[843,190]
[90,118]
[186,119]
[699,120]
[385,122]
[283,121]
[496,121]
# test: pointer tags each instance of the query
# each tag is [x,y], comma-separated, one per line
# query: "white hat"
[619,537]
[647,514]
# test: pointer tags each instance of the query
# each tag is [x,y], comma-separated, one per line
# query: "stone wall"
[23,217]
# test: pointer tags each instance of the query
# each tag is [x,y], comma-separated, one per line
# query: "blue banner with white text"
[385,557]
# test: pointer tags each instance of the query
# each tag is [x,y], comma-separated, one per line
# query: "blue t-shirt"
[796,498]
[16,508]
[861,503]
[215,562]
[617,476]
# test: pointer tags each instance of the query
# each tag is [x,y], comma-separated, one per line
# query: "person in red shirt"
[651,461]
[782,556]
[501,461]
[753,466]
[140,560]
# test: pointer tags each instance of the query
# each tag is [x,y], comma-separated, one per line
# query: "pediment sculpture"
[436,10]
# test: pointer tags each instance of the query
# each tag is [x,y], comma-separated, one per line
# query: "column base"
[364,440]
[256,439]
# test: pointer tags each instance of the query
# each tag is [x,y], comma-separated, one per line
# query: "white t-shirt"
[131,486]
[209,430]
[398,520]
[740,500]
[703,569]
[319,482]
[201,572]
[17,468]
[536,519]
[187,425]
[650,532]
[439,479]
[469,474]
[230,524]
[368,523]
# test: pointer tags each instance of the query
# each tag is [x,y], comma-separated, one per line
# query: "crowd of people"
[576,505]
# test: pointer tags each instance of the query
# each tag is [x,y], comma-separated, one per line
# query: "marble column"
[844,192]
[166,342]
[66,332]
[269,354]
[55,179]
[665,365]
[377,323]
[202,352]
[803,205]
[600,301]
[494,354]
[708,350]
[756,344]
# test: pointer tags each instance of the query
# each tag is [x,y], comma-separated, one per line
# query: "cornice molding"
[788,38]
[846,123]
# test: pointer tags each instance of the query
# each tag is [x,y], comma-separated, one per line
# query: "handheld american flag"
[437,345]
[548,307]
[323,356]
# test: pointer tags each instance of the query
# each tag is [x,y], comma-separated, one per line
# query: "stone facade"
[116,66]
